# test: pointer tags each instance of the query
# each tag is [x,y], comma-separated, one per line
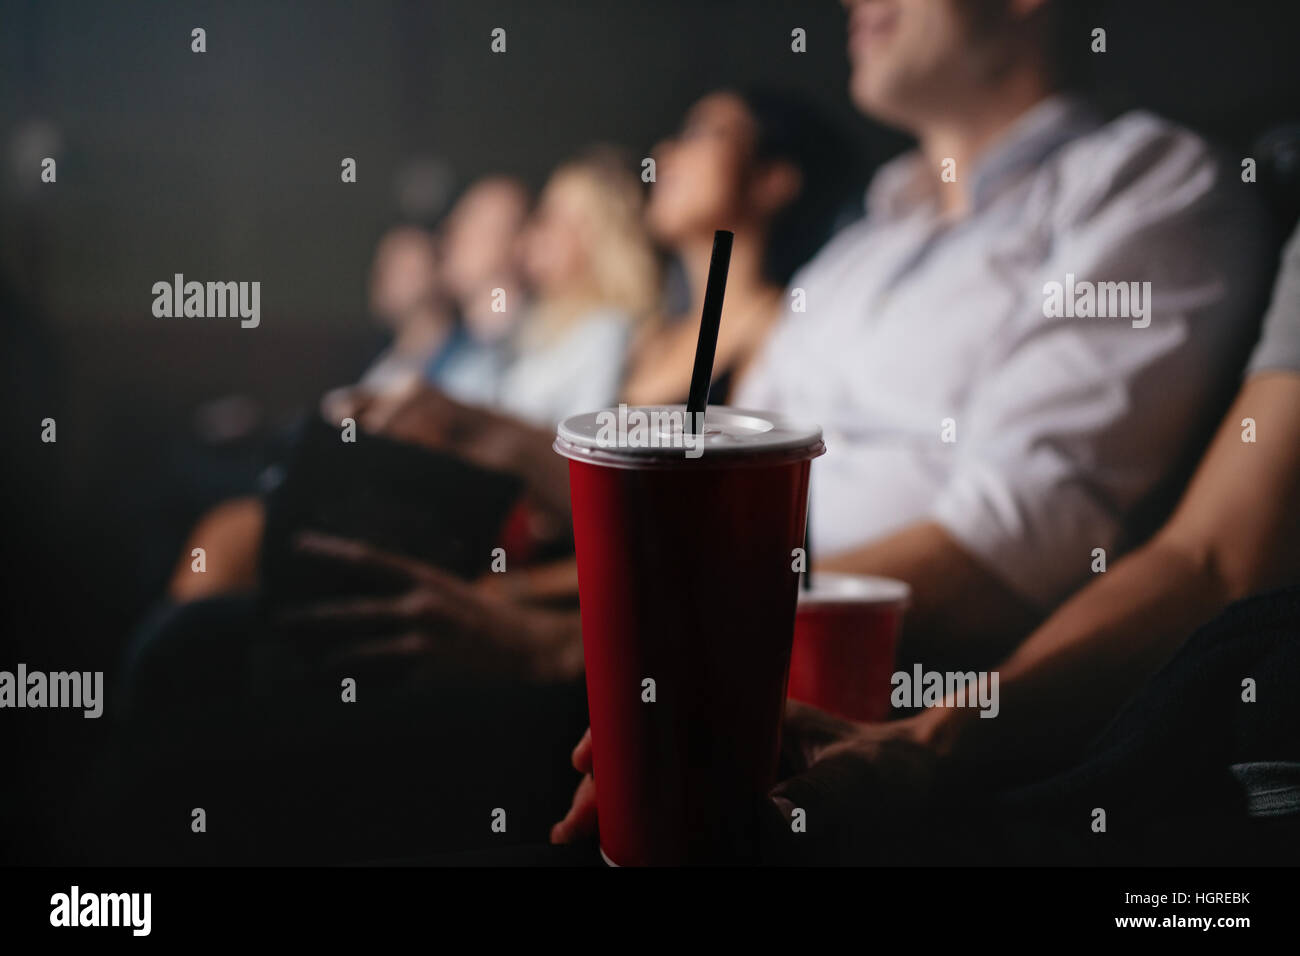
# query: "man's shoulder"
[1138,157]
[1139,127]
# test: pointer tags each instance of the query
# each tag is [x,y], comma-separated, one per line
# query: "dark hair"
[791,128]
[1060,32]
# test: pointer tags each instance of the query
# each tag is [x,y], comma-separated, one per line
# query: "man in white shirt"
[1025,336]
[946,313]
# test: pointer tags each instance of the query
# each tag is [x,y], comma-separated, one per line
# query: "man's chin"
[874,101]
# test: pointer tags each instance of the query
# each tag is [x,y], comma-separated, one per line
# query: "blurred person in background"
[767,166]
[481,267]
[594,276]
[409,300]
[433,292]
[436,291]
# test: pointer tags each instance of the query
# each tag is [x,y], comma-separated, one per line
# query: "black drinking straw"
[707,345]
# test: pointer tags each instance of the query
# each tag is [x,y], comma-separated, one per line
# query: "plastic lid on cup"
[832,588]
[640,434]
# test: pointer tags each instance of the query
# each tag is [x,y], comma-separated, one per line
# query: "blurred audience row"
[588,296]
[542,310]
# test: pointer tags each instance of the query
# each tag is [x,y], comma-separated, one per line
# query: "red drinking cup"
[687,590]
[845,635]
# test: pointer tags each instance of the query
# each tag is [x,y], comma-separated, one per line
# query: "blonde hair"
[624,267]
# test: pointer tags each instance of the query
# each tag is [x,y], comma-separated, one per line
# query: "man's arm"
[1236,532]
[961,613]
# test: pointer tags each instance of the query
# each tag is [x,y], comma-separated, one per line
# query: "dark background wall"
[225,165]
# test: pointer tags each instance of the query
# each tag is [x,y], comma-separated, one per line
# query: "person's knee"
[221,555]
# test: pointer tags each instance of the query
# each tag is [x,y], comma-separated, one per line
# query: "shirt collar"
[906,181]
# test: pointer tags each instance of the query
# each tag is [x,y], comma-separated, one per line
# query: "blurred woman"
[408,300]
[593,274]
[771,169]
[481,266]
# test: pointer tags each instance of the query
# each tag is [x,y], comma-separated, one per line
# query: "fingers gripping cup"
[687,594]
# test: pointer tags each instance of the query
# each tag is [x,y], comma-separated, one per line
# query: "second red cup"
[845,635]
